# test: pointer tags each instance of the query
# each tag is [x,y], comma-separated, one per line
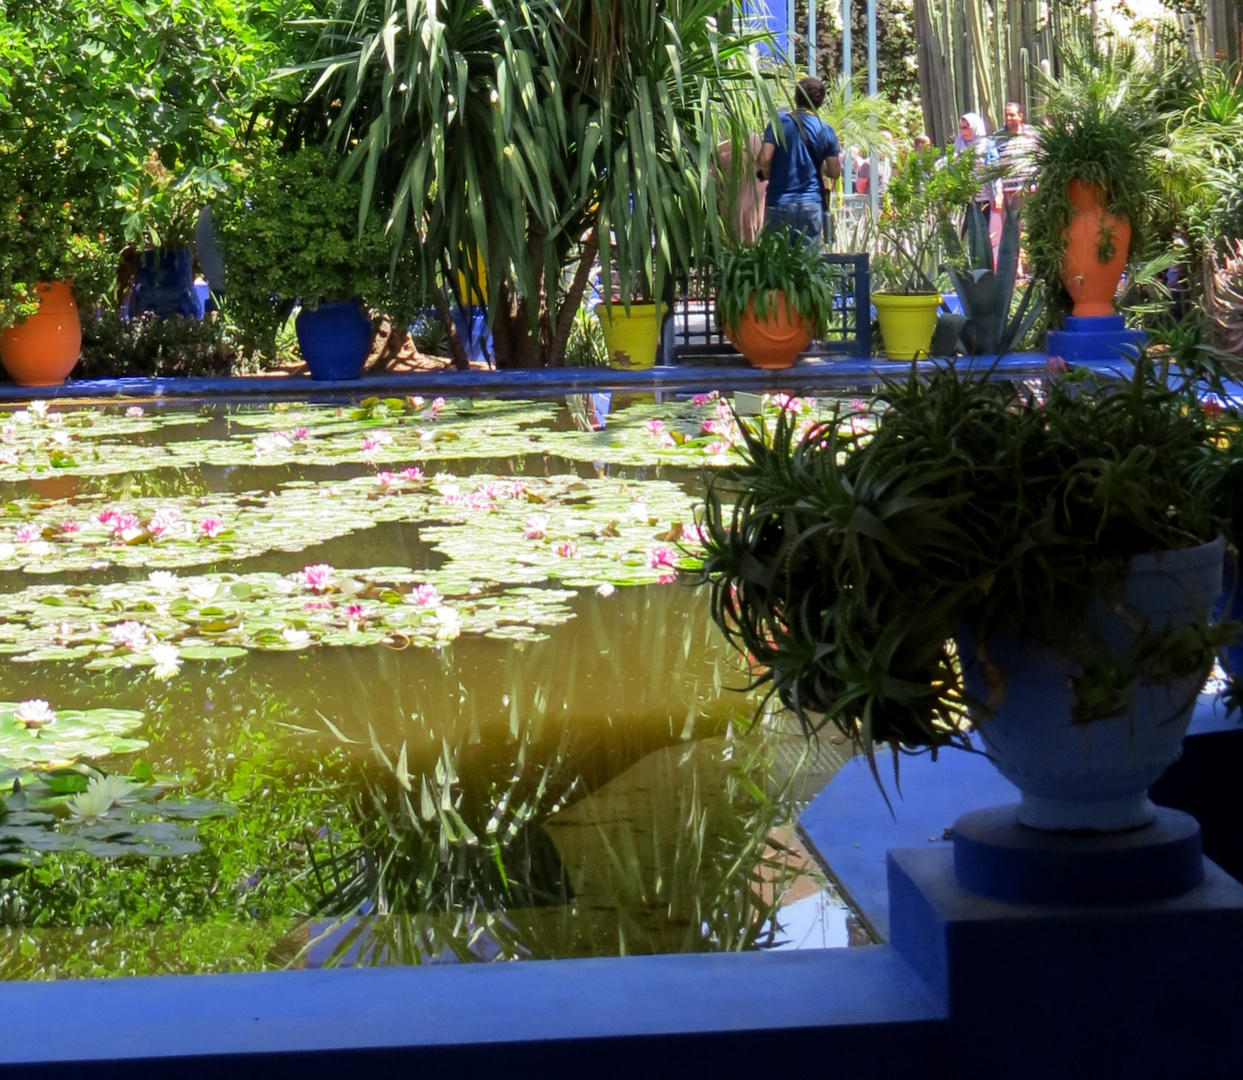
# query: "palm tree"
[509,139]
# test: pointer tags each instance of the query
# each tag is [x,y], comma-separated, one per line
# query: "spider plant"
[844,563]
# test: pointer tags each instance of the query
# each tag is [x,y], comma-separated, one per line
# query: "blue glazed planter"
[335,339]
[1092,777]
[164,285]
[472,328]
[1230,606]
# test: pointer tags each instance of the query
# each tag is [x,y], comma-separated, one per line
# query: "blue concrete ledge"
[851,830]
[862,1011]
[807,375]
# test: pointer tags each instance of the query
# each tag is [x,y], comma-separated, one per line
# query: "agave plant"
[513,137]
[992,326]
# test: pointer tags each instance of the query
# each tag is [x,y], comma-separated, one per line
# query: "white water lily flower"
[167,660]
[34,714]
[163,580]
[295,637]
[448,624]
[101,795]
[638,511]
[38,408]
[40,548]
[133,635]
[203,590]
[606,590]
[7,551]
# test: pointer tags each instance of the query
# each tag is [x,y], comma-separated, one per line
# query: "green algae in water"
[400,681]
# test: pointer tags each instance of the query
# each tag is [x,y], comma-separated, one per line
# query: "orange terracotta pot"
[1090,282]
[774,342]
[42,350]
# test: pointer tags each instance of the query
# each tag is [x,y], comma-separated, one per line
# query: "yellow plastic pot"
[631,339]
[907,323]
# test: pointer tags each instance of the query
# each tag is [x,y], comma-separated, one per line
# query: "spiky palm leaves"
[518,135]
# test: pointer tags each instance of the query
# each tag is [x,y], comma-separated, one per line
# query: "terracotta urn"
[773,342]
[43,349]
[1091,282]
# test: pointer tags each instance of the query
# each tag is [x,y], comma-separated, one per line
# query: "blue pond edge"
[808,374]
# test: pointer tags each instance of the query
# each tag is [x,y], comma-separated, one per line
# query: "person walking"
[794,163]
[973,136]
[1017,144]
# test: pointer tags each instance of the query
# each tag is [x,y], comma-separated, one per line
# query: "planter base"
[995,856]
[1095,338]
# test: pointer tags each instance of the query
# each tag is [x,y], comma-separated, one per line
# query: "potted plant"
[291,236]
[1042,566]
[631,325]
[1096,157]
[774,296]
[923,204]
[50,247]
[159,210]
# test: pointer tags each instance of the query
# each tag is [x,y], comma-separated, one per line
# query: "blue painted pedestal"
[1101,337]
[1075,992]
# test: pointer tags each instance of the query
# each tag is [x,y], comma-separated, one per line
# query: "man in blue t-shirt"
[794,163]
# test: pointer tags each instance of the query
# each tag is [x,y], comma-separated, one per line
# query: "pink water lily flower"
[437,406]
[666,579]
[662,555]
[425,595]
[135,411]
[717,448]
[414,473]
[69,527]
[694,534]
[300,434]
[317,605]
[106,517]
[123,523]
[164,519]
[131,635]
[417,402]
[386,479]
[318,577]
[703,399]
[655,427]
[211,527]
[536,527]
[27,533]
[567,549]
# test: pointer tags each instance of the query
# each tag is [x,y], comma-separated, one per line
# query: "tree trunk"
[456,349]
[572,299]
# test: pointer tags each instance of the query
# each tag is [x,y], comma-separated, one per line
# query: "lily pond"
[403,682]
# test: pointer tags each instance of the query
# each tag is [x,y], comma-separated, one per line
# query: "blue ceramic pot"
[472,328]
[335,339]
[1230,606]
[1092,777]
[164,285]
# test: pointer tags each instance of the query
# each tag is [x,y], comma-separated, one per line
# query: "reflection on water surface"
[410,683]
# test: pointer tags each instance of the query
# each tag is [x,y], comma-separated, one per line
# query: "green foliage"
[291,234]
[527,133]
[1104,126]
[775,261]
[117,84]
[113,347]
[919,221]
[992,324]
[46,233]
[851,559]
[586,347]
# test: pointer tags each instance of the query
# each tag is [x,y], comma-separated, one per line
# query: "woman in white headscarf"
[973,135]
